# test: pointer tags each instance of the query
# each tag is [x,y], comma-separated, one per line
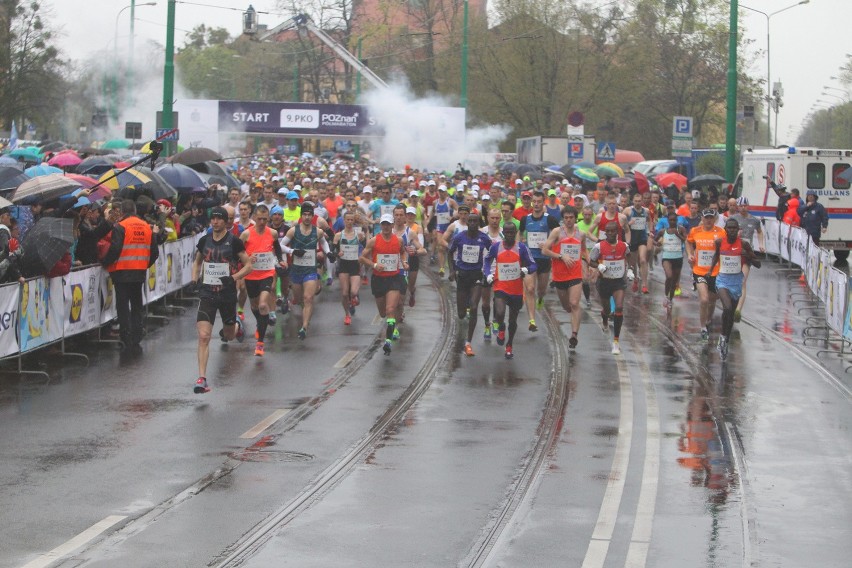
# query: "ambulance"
[803,169]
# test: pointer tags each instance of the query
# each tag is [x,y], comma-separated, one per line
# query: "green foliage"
[711,163]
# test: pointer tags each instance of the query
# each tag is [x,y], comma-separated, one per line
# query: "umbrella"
[4,203]
[52,146]
[30,153]
[586,174]
[584,164]
[116,144]
[621,182]
[88,183]
[128,178]
[95,151]
[707,179]
[45,243]
[11,162]
[641,182]
[11,177]
[42,170]
[195,156]
[526,169]
[554,169]
[509,167]
[159,187]
[544,164]
[95,165]
[608,169]
[42,188]
[64,160]
[846,174]
[669,178]
[216,169]
[180,177]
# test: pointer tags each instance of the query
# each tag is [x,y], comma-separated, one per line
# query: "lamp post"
[464,59]
[768,76]
[169,74]
[731,99]
[844,98]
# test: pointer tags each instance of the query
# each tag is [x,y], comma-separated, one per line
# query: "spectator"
[92,228]
[791,216]
[814,217]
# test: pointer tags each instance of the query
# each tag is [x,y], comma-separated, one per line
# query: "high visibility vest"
[137,246]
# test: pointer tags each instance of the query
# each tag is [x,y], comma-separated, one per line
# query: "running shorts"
[350,267]
[297,278]
[255,287]
[542,265]
[565,284]
[733,285]
[606,286]
[467,279]
[208,307]
[707,279]
[381,285]
[514,302]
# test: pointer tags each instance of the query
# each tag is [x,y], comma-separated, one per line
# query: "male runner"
[608,262]
[638,219]
[467,252]
[566,246]
[535,228]
[700,247]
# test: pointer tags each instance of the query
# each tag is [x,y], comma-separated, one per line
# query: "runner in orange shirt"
[700,248]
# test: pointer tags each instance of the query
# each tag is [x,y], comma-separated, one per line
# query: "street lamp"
[845,97]
[768,76]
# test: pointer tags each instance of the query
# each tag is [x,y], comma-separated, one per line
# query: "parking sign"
[682,126]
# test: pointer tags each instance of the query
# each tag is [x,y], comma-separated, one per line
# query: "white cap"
[474,194]
[476,180]
[422,183]
[386,218]
[367,189]
[414,193]
[317,180]
[274,178]
[546,186]
[486,197]
[474,187]
[411,210]
[297,187]
[442,187]
[431,182]
[283,191]
[496,184]
[463,182]
[410,178]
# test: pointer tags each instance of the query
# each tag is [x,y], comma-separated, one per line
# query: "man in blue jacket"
[814,217]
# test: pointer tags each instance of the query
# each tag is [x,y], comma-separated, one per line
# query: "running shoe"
[356,301]
[201,386]
[539,303]
[347,320]
[432,260]
[630,275]
[222,335]
[441,273]
[487,334]
[644,289]
[285,307]
[303,333]
[351,310]
[501,337]
[616,348]
[387,347]
[411,300]
[572,343]
[678,291]
[258,349]
[328,281]
[667,303]
[635,285]
[604,322]
[723,348]
[737,316]
[241,332]
[272,318]
[241,315]
[533,326]
[705,334]
[509,354]
[588,304]
[468,350]
[495,327]
[396,334]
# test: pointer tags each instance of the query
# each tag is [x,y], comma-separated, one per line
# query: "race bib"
[508,271]
[705,257]
[535,239]
[309,259]
[350,252]
[672,245]
[730,264]
[443,218]
[389,262]
[570,250]
[614,269]
[638,223]
[386,209]
[264,261]
[214,271]
[470,254]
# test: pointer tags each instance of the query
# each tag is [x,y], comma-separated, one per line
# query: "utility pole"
[464,60]
[731,116]
[169,75]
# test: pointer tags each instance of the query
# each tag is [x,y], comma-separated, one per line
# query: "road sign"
[576,118]
[168,134]
[682,126]
[133,130]
[606,151]
[681,146]
[575,148]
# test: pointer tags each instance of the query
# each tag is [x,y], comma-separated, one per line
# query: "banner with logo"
[772,237]
[813,267]
[785,241]
[107,294]
[798,246]
[42,312]
[835,305]
[172,252]
[155,282]
[825,265]
[83,305]
[847,321]
[10,295]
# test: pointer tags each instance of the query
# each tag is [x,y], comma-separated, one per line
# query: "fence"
[44,311]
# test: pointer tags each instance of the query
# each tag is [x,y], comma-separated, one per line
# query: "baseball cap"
[551,192]
[386,218]
[670,203]
[297,187]
[708,213]
[442,187]
[283,191]
[219,213]
[292,195]
[410,178]
[526,194]
[411,210]
[276,210]
[414,194]
[464,208]
[743,200]
[367,189]
[486,197]
[432,182]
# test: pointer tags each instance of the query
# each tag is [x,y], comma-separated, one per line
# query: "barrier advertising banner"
[835,303]
[83,308]
[785,241]
[107,294]
[825,265]
[772,237]
[10,295]
[42,312]
[847,321]
[813,267]
[798,246]
[155,283]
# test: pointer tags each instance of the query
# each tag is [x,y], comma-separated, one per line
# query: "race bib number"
[443,218]
[570,250]
[264,261]
[350,252]
[386,209]
[730,264]
[672,245]
[535,239]
[309,259]
[705,257]
[214,271]
[614,269]
[389,262]
[638,224]
[470,254]
[507,271]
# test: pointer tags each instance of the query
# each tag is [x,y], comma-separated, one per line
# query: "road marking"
[378,319]
[346,359]
[78,541]
[599,545]
[637,553]
[266,423]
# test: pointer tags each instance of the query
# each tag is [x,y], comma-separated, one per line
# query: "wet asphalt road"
[660,457]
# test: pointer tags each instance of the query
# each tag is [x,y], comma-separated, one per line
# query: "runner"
[414,254]
[585,224]
[700,246]
[671,240]
[638,219]
[215,266]
[732,254]
[534,230]
[749,226]
[505,266]
[566,245]
[348,243]
[608,262]
[262,245]
[306,239]
[243,222]
[445,210]
[412,247]
[467,251]
[386,255]
[495,235]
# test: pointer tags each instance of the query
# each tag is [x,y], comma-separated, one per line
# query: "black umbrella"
[706,179]
[215,169]
[509,167]
[45,243]
[52,146]
[180,177]
[159,187]
[11,178]
[95,166]
[526,170]
[197,155]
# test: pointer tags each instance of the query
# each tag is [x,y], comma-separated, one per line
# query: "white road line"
[637,553]
[599,545]
[266,423]
[377,319]
[346,359]
[78,541]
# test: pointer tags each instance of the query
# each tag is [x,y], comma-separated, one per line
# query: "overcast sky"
[809,42]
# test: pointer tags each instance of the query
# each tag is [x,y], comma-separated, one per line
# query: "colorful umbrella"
[608,169]
[86,182]
[128,178]
[671,178]
[586,174]
[621,182]
[41,170]
[42,188]
[30,153]
[11,162]
[116,144]
[65,160]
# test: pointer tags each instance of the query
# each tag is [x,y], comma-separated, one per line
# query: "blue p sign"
[682,126]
